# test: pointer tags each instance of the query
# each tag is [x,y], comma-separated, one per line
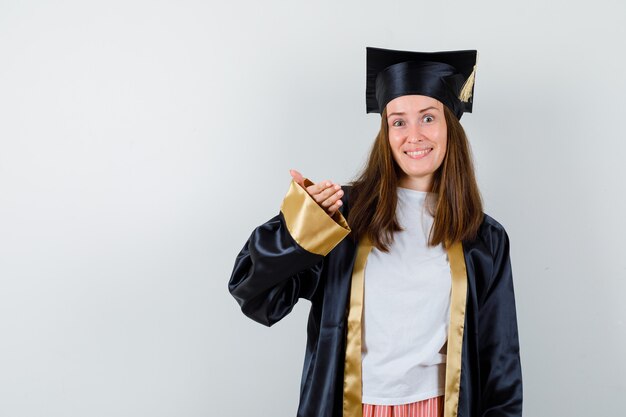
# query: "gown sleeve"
[500,367]
[283,258]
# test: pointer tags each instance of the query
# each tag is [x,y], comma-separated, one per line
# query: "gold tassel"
[466,90]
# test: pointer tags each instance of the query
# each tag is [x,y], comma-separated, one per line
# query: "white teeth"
[418,153]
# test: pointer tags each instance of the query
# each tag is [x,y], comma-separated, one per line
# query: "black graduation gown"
[304,253]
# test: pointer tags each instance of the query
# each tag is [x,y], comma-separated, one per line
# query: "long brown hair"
[454,195]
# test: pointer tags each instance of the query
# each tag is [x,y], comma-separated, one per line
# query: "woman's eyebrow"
[403,113]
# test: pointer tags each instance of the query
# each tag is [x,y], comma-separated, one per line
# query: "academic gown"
[304,253]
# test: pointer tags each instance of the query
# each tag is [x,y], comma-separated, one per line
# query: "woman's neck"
[413,183]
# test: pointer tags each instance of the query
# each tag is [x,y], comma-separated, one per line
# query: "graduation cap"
[447,76]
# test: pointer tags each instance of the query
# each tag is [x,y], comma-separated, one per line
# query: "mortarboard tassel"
[466,90]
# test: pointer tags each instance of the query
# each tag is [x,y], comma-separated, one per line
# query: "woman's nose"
[415,135]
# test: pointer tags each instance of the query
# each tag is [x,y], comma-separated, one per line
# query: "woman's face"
[418,137]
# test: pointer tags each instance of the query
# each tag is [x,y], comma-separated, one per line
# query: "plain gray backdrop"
[142,141]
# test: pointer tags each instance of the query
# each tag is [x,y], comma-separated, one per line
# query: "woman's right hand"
[326,193]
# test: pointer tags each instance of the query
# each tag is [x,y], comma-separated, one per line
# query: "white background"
[142,141]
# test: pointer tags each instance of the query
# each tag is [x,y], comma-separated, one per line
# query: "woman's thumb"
[297,176]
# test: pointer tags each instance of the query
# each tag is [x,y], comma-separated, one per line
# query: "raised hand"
[326,193]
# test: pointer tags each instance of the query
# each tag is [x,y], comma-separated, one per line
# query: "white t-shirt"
[405,311]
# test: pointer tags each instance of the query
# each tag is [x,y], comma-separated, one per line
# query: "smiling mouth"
[418,154]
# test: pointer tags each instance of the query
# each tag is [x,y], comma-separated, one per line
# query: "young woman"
[412,301]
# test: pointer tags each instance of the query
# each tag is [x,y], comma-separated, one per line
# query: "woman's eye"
[398,123]
[428,119]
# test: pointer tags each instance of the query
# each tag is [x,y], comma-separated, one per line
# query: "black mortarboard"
[447,76]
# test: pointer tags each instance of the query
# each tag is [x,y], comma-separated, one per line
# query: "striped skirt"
[431,407]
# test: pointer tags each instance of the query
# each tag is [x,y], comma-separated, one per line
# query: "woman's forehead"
[413,102]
